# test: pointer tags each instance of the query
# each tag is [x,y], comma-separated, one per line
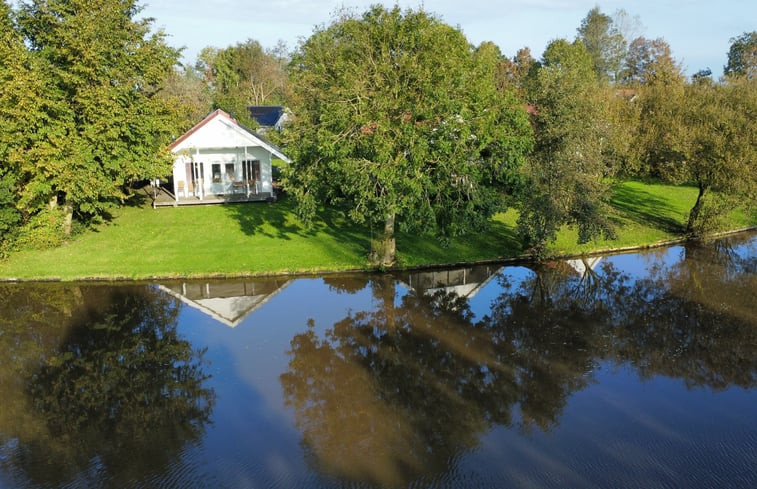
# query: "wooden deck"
[165,198]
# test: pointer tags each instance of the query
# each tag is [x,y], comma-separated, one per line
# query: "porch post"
[175,186]
[199,181]
[246,169]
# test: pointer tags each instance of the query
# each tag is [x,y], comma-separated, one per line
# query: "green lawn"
[261,238]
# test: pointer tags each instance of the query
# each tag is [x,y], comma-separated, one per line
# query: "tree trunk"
[696,211]
[68,219]
[384,249]
[387,289]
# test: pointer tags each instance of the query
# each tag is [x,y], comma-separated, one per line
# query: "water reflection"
[576,372]
[401,391]
[228,302]
[96,383]
[696,319]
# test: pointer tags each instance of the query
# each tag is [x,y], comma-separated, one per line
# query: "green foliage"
[722,146]
[742,56]
[650,61]
[244,75]
[9,215]
[43,229]
[104,126]
[568,172]
[188,95]
[703,134]
[398,117]
[21,123]
[605,44]
[97,373]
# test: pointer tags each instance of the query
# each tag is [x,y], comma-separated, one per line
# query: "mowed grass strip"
[260,238]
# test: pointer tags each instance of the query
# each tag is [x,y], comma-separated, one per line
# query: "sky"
[698,31]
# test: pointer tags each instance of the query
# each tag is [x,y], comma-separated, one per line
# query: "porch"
[162,197]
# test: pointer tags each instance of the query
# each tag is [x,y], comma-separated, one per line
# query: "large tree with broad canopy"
[399,121]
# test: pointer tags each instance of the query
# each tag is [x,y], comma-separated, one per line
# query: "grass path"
[260,238]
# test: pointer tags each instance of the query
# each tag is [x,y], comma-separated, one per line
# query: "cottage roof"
[233,130]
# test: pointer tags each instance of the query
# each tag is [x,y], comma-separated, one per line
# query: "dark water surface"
[635,370]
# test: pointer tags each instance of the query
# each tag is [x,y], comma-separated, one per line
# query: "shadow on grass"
[336,236]
[273,220]
[499,241]
[646,208]
[278,220]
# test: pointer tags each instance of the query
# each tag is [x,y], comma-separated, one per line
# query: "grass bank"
[260,238]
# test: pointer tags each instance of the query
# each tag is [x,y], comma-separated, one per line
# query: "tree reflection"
[695,319]
[383,397]
[397,393]
[390,394]
[98,378]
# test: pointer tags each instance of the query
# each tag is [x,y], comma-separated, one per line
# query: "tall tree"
[651,61]
[25,125]
[604,42]
[399,121]
[105,66]
[247,74]
[659,84]
[742,56]
[12,69]
[567,173]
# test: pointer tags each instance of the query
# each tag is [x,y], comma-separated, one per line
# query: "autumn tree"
[104,67]
[400,123]
[567,173]
[513,73]
[650,61]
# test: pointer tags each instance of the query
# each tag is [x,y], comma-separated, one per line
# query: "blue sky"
[697,30]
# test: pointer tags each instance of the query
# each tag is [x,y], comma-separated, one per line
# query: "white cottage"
[219,160]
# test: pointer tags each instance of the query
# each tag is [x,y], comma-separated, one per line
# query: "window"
[216,171]
[251,170]
[230,174]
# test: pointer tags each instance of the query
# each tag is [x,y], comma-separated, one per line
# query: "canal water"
[635,370]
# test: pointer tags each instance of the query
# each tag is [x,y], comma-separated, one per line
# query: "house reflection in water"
[584,264]
[464,282]
[228,302]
